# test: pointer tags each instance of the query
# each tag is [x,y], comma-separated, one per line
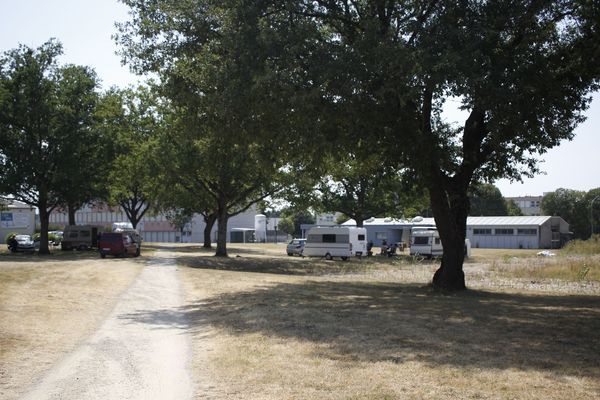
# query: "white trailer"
[426,242]
[335,241]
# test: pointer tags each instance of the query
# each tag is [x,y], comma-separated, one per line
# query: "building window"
[504,231]
[526,231]
[480,231]
[381,235]
[361,237]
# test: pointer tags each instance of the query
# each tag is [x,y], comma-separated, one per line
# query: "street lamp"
[592,213]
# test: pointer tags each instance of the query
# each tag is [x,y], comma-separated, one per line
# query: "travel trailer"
[426,242]
[80,237]
[335,241]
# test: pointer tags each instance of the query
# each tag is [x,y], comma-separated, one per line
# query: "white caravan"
[426,242]
[335,241]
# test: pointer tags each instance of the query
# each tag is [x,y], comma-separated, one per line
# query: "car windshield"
[23,237]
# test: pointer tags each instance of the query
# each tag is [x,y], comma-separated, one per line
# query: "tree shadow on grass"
[398,323]
[276,265]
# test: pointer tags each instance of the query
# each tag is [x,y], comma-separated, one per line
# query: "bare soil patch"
[272,327]
[48,304]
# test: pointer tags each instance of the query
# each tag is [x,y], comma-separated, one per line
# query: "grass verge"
[273,328]
[47,305]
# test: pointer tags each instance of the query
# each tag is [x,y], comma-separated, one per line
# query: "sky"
[85,28]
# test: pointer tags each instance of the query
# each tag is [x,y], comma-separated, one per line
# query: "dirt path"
[141,351]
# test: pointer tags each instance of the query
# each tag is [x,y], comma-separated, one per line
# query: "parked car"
[296,247]
[24,243]
[118,244]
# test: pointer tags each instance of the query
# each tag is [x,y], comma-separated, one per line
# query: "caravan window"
[328,238]
[361,237]
[421,240]
[437,240]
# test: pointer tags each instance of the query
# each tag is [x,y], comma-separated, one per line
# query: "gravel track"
[141,351]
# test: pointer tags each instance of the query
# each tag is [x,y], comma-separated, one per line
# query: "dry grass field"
[48,305]
[268,326]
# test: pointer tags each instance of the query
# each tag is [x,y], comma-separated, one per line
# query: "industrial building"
[152,227]
[526,232]
[16,217]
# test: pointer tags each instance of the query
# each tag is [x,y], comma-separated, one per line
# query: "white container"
[260,228]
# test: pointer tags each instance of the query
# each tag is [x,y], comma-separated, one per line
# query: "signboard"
[14,220]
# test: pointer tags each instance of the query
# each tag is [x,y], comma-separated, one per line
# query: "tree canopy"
[486,199]
[213,61]
[137,125]
[342,72]
[574,206]
[522,70]
[46,129]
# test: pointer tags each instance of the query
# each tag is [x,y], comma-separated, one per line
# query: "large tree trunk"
[72,209]
[210,220]
[44,223]
[71,216]
[360,223]
[450,205]
[222,232]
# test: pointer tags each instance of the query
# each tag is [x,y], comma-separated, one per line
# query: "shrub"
[9,236]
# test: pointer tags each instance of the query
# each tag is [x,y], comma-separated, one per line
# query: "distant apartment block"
[326,219]
[529,205]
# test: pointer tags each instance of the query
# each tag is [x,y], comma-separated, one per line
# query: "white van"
[335,241]
[426,242]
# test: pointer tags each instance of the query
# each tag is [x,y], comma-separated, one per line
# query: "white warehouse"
[527,232]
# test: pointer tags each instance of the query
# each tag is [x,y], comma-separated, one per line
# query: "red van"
[118,244]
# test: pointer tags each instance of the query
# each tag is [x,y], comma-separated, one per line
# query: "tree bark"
[44,223]
[71,209]
[450,205]
[210,220]
[360,223]
[223,216]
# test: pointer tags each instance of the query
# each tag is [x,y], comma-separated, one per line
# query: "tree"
[179,218]
[286,225]
[298,215]
[43,108]
[177,186]
[523,71]
[361,185]
[513,209]
[83,170]
[138,125]
[574,207]
[211,57]
[486,200]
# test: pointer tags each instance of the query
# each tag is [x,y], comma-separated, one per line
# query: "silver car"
[25,243]
[295,247]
